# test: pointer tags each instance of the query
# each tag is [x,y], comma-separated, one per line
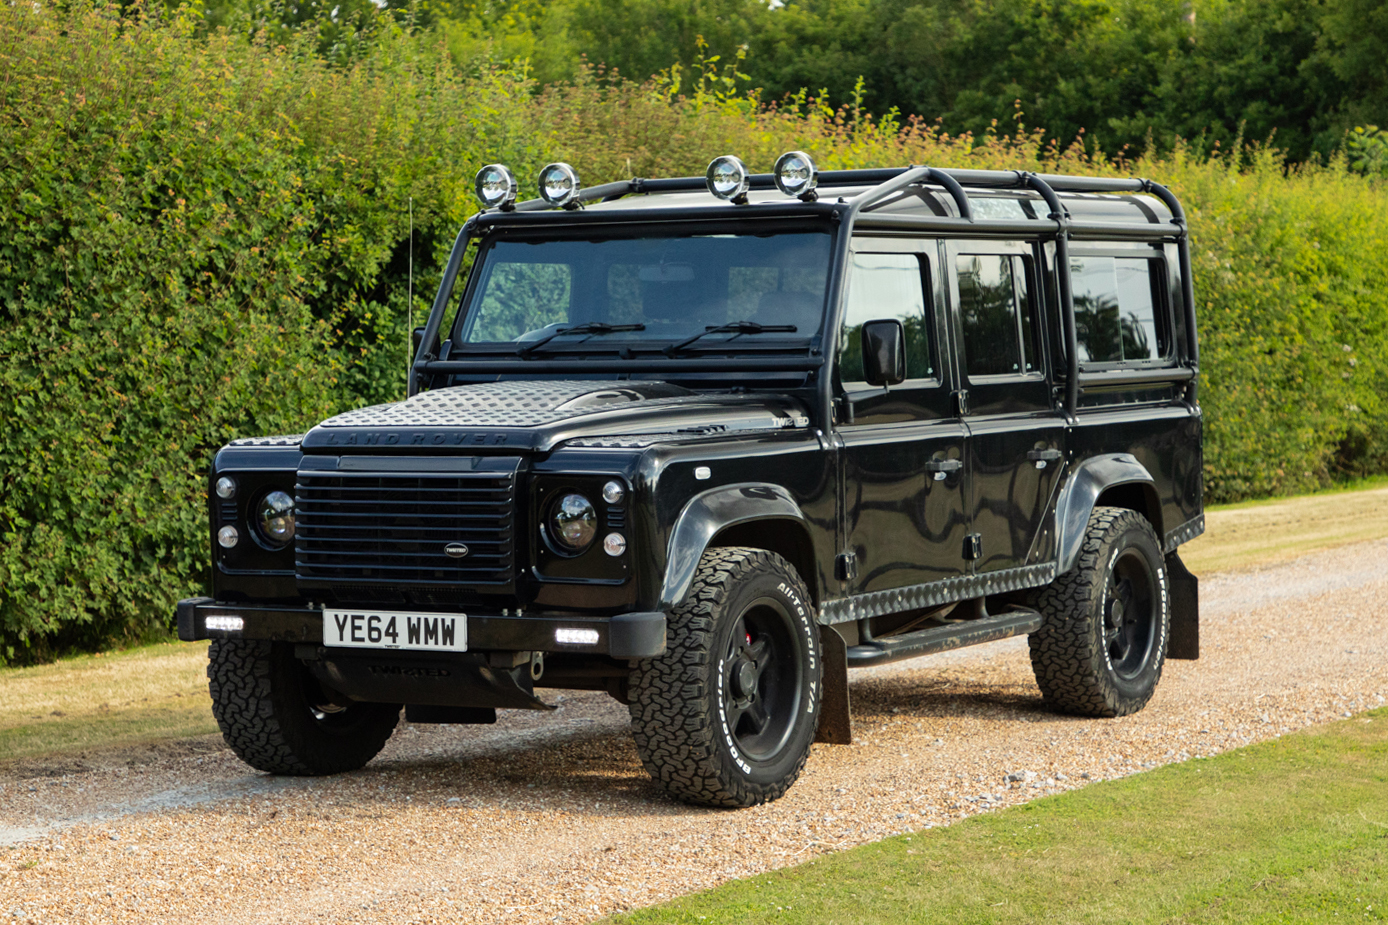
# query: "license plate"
[382,629]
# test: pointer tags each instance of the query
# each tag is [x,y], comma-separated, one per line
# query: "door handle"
[943,467]
[1041,457]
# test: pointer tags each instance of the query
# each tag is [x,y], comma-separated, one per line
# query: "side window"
[882,286]
[1115,309]
[995,306]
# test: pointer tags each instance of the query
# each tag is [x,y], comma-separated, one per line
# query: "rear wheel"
[727,715]
[277,718]
[1102,645]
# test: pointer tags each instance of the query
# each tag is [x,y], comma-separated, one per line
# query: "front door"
[1016,429]
[902,448]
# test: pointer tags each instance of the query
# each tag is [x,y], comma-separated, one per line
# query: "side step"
[943,638]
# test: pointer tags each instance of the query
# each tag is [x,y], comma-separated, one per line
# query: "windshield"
[663,289]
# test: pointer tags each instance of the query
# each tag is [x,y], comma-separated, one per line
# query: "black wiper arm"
[732,327]
[591,327]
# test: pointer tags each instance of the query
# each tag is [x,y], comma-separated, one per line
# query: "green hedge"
[205,238]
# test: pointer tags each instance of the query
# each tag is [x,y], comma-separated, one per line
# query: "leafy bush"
[209,238]
[203,240]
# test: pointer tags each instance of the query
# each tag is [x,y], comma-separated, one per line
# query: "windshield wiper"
[591,327]
[732,327]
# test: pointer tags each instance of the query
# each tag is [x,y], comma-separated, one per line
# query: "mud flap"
[1184,638]
[835,723]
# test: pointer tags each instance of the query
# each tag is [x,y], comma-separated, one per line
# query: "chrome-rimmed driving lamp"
[559,185]
[728,178]
[797,175]
[496,187]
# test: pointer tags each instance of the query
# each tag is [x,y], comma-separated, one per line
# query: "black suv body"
[706,454]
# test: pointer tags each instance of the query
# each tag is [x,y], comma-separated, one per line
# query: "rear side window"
[995,307]
[1115,309]
[885,286]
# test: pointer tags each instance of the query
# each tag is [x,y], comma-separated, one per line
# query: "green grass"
[146,694]
[1291,830]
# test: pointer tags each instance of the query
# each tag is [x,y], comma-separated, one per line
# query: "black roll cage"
[847,215]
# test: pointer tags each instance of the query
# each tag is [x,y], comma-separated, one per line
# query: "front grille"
[388,530]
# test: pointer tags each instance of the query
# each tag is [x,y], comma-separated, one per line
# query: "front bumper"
[628,635]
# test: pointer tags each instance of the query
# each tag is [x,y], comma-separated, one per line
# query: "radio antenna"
[409,310]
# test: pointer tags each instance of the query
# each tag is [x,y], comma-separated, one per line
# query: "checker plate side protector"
[286,440]
[935,593]
[1184,533]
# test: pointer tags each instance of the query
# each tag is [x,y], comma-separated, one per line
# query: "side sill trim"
[935,593]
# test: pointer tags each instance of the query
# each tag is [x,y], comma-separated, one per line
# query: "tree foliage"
[1113,72]
[208,237]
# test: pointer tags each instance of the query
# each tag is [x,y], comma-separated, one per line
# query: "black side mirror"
[416,338]
[884,352]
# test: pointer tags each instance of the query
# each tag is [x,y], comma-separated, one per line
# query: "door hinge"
[846,566]
[961,402]
[973,546]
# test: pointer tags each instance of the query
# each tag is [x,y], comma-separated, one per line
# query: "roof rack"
[851,214]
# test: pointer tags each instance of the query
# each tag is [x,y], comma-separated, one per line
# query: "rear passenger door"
[1016,429]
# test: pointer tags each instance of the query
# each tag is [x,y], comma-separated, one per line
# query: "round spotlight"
[613,492]
[796,174]
[559,185]
[728,178]
[496,186]
[614,544]
[228,537]
[226,488]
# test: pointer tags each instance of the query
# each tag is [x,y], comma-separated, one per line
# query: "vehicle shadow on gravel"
[927,697]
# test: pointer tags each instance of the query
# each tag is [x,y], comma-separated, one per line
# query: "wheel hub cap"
[745,679]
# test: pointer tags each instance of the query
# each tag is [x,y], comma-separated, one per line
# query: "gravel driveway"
[551,818]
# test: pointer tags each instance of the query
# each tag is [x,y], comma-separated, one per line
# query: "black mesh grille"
[389,529]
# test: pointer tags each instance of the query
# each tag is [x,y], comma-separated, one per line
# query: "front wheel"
[727,715]
[276,717]
[1102,643]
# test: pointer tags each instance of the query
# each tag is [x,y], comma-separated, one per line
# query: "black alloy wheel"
[1130,614]
[1102,642]
[727,715]
[761,679]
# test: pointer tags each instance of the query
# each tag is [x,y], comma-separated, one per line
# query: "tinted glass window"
[885,286]
[1115,316]
[676,287]
[995,306]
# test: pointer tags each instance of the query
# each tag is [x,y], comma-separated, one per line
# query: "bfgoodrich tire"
[274,715]
[1102,645]
[727,715]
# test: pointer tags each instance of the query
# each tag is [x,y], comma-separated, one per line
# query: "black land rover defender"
[707,443]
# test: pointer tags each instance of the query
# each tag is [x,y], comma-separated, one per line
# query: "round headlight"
[228,537]
[728,177]
[573,523]
[559,184]
[226,488]
[496,186]
[275,519]
[796,174]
